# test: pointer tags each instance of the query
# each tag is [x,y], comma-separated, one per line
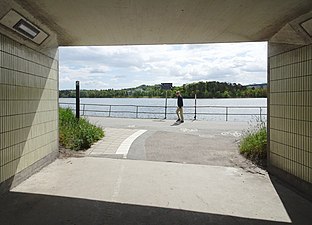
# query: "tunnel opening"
[121,91]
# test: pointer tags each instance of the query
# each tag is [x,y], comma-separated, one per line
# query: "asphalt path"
[193,142]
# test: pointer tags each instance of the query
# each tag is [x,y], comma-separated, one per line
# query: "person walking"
[179,110]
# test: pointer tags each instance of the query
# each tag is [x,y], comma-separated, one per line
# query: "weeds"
[254,143]
[77,134]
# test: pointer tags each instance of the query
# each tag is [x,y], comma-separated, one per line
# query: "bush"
[77,134]
[254,144]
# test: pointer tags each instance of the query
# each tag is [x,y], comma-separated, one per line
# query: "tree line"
[209,89]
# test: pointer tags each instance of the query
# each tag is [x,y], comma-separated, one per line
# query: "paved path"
[193,142]
[169,125]
[99,190]
[116,143]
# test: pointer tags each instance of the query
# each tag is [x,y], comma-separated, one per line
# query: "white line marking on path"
[125,145]
[188,130]
[234,134]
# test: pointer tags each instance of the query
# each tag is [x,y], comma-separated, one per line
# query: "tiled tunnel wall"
[28,107]
[291,113]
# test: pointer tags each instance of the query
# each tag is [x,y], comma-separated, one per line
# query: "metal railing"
[110,110]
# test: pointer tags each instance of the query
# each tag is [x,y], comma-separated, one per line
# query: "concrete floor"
[94,190]
[110,191]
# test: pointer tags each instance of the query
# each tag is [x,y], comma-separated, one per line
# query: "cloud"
[129,66]
[99,70]
[95,84]
[254,68]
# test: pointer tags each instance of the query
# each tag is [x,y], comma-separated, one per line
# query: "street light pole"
[77,100]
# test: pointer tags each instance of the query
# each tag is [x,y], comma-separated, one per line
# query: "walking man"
[179,110]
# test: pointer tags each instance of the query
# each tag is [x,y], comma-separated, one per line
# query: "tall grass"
[77,134]
[254,143]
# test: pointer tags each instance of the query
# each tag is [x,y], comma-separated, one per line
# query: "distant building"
[263,85]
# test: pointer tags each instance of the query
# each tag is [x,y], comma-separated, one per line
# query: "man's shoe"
[182,121]
[178,120]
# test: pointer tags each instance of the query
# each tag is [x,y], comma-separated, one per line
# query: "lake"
[237,109]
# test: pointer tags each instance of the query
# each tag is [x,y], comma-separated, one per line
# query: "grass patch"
[77,134]
[254,144]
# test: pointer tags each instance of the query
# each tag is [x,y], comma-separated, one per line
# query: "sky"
[120,67]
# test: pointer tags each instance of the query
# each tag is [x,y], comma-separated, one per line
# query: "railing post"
[109,112]
[166,106]
[226,113]
[261,114]
[195,107]
[137,111]
[83,109]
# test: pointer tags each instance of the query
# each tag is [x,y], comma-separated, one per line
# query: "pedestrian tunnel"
[31,32]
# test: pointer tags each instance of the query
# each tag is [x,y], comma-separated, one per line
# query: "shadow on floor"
[35,209]
[299,209]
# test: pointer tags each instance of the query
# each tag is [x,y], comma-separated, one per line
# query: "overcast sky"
[130,66]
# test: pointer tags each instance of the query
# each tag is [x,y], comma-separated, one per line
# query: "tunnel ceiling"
[115,22]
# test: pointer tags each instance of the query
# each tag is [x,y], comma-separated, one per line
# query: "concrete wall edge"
[294,183]
[12,182]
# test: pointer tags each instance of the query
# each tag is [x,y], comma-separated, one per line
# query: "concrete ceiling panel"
[119,22]
[307,26]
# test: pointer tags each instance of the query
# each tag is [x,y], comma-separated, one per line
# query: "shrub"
[77,134]
[254,144]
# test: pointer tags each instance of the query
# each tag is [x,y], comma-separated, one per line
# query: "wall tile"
[291,112]
[28,106]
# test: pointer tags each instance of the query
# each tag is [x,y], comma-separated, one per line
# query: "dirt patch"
[248,165]
[66,153]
